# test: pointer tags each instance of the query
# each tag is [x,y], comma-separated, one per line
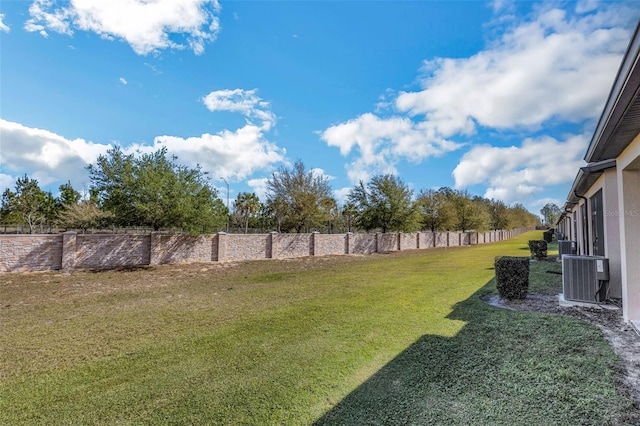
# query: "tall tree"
[27,205]
[385,203]
[68,195]
[298,198]
[467,212]
[113,181]
[330,211]
[498,214]
[276,210]
[83,215]
[50,209]
[348,213]
[550,212]
[521,217]
[246,205]
[435,211]
[153,190]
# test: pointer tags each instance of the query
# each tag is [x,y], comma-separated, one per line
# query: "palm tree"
[348,212]
[246,205]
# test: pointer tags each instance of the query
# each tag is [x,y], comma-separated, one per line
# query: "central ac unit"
[585,278]
[567,247]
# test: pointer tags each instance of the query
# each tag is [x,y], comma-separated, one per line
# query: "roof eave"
[622,95]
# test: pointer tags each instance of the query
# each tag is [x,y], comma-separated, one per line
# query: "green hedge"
[548,235]
[538,249]
[512,277]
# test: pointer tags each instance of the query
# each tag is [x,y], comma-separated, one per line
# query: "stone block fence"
[69,251]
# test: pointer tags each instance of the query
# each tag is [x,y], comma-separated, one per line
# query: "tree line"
[154,191]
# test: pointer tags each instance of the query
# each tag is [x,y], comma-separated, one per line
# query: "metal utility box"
[567,247]
[602,269]
[585,278]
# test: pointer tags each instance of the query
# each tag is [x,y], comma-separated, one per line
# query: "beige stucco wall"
[628,176]
[612,232]
[608,183]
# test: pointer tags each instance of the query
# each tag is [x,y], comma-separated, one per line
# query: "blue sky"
[499,98]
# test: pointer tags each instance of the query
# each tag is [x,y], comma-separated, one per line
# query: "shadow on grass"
[118,269]
[503,367]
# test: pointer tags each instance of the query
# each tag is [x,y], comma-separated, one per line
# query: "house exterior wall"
[582,227]
[565,227]
[608,183]
[612,232]
[628,177]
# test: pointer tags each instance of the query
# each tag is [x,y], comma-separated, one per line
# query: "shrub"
[538,249]
[548,235]
[512,277]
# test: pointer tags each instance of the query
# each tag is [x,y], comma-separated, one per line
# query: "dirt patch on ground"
[624,340]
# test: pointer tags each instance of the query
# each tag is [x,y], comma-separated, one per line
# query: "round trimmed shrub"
[538,249]
[512,277]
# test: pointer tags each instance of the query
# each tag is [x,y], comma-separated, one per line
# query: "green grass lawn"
[392,339]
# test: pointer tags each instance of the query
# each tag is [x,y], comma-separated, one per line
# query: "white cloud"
[516,173]
[317,172]
[44,155]
[552,69]
[540,203]
[52,158]
[3,27]
[123,81]
[259,187]
[243,101]
[147,26]
[342,195]
[382,142]
[502,6]
[155,69]
[41,20]
[555,67]
[231,154]
[585,6]
[6,181]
